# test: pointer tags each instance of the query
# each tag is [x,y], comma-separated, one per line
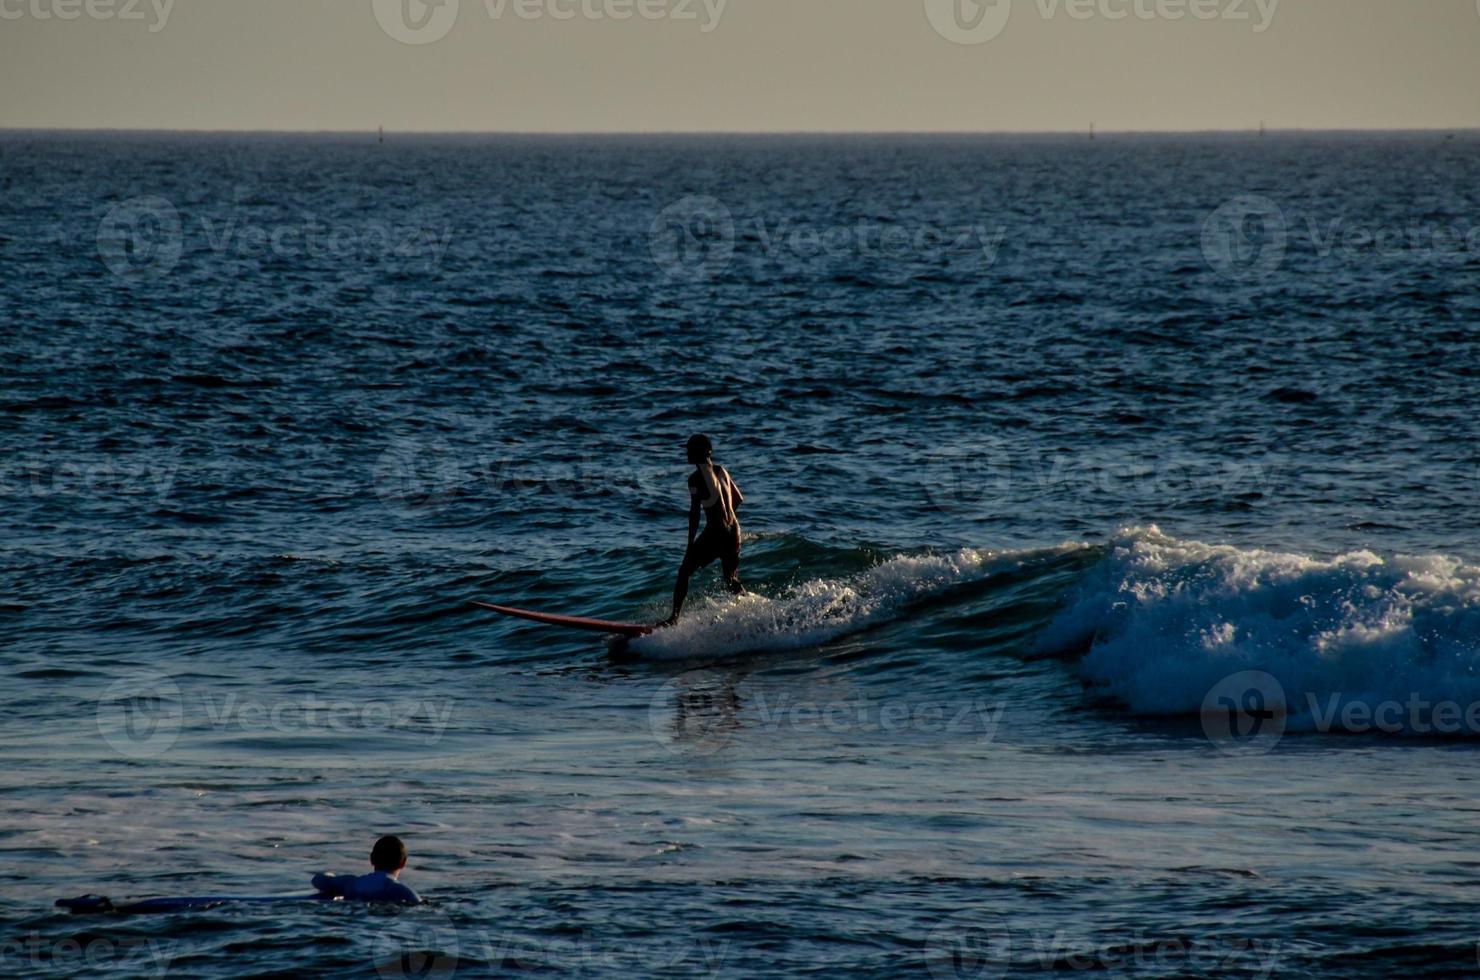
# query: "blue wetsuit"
[374,887]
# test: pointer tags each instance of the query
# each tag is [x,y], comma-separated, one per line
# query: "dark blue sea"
[1110,527]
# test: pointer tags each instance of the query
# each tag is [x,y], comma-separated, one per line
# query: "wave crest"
[812,612]
[1163,621]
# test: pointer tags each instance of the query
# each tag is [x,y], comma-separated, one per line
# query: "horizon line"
[1085,133]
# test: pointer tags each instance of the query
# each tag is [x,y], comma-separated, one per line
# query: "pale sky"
[740,65]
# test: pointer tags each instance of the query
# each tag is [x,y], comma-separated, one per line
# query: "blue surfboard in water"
[98,904]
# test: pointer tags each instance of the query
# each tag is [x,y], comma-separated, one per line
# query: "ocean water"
[1110,531]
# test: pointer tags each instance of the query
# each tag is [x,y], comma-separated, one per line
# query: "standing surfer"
[713,491]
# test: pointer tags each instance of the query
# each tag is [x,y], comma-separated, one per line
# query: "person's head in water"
[388,855]
[700,450]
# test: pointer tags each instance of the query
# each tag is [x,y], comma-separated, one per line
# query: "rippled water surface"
[1047,446]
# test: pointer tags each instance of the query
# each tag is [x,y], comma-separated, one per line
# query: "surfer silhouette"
[712,491]
[388,858]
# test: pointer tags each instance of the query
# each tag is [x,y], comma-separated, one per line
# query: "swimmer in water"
[712,491]
[388,858]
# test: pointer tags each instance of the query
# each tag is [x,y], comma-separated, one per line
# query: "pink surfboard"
[570,622]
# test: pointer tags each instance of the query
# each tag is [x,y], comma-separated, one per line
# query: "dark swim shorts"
[716,544]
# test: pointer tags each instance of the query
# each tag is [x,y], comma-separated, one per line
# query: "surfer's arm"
[736,497]
[693,517]
[400,893]
[328,884]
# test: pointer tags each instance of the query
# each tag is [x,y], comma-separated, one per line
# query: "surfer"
[388,858]
[713,491]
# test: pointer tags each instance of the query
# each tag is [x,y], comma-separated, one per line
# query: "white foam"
[1165,620]
[812,612]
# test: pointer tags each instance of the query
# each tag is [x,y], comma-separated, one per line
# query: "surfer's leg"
[680,591]
[729,564]
[700,554]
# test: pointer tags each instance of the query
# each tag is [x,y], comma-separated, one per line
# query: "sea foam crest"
[812,612]
[1164,621]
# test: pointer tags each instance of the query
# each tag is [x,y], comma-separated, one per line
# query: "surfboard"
[100,904]
[569,622]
